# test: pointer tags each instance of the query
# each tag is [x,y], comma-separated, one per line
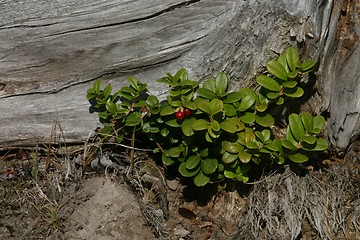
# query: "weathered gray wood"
[51,51]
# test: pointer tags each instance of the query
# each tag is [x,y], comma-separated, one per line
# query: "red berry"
[179,115]
[187,112]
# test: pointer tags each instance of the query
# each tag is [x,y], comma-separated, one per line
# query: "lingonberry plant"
[209,133]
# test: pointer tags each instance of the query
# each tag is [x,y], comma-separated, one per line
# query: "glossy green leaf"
[208,138]
[296,126]
[204,106]
[287,144]
[307,66]
[248,98]
[252,145]
[216,106]
[307,120]
[294,92]
[232,97]
[298,158]
[133,82]
[213,133]
[229,158]
[190,105]
[282,60]
[277,69]
[293,75]
[200,179]
[164,132]
[229,125]
[272,95]
[264,119]
[268,83]
[215,125]
[209,165]
[221,84]
[290,136]
[187,172]
[175,152]
[210,84]
[168,110]
[172,123]
[153,101]
[230,174]
[261,107]
[193,161]
[111,107]
[133,119]
[187,127]
[200,124]
[97,85]
[309,139]
[319,123]
[320,145]
[232,147]
[247,117]
[205,93]
[290,84]
[107,91]
[292,58]
[280,101]
[230,110]
[245,157]
[167,161]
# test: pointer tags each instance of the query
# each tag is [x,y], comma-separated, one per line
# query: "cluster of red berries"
[180,115]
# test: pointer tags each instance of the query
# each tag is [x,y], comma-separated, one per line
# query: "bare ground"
[72,201]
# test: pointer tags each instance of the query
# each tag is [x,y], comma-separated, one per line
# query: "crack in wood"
[166,10]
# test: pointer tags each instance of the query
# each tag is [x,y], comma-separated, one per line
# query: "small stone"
[172,184]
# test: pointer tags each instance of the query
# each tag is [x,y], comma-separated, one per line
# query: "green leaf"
[309,139]
[296,127]
[153,101]
[200,124]
[167,161]
[200,179]
[307,120]
[216,106]
[247,117]
[229,125]
[107,91]
[287,144]
[290,84]
[292,58]
[268,83]
[190,105]
[230,110]
[205,93]
[213,133]
[282,60]
[280,101]
[172,123]
[193,161]
[221,84]
[252,145]
[248,98]
[232,147]
[187,127]
[264,119]
[293,75]
[245,157]
[277,69]
[133,82]
[97,85]
[215,125]
[320,145]
[298,158]
[175,151]
[167,111]
[319,123]
[307,66]
[187,172]
[294,92]
[230,174]
[133,119]
[272,95]
[261,107]
[111,107]
[209,165]
[210,84]
[232,97]
[164,132]
[229,158]
[204,106]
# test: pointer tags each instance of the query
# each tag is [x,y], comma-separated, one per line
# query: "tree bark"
[51,52]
